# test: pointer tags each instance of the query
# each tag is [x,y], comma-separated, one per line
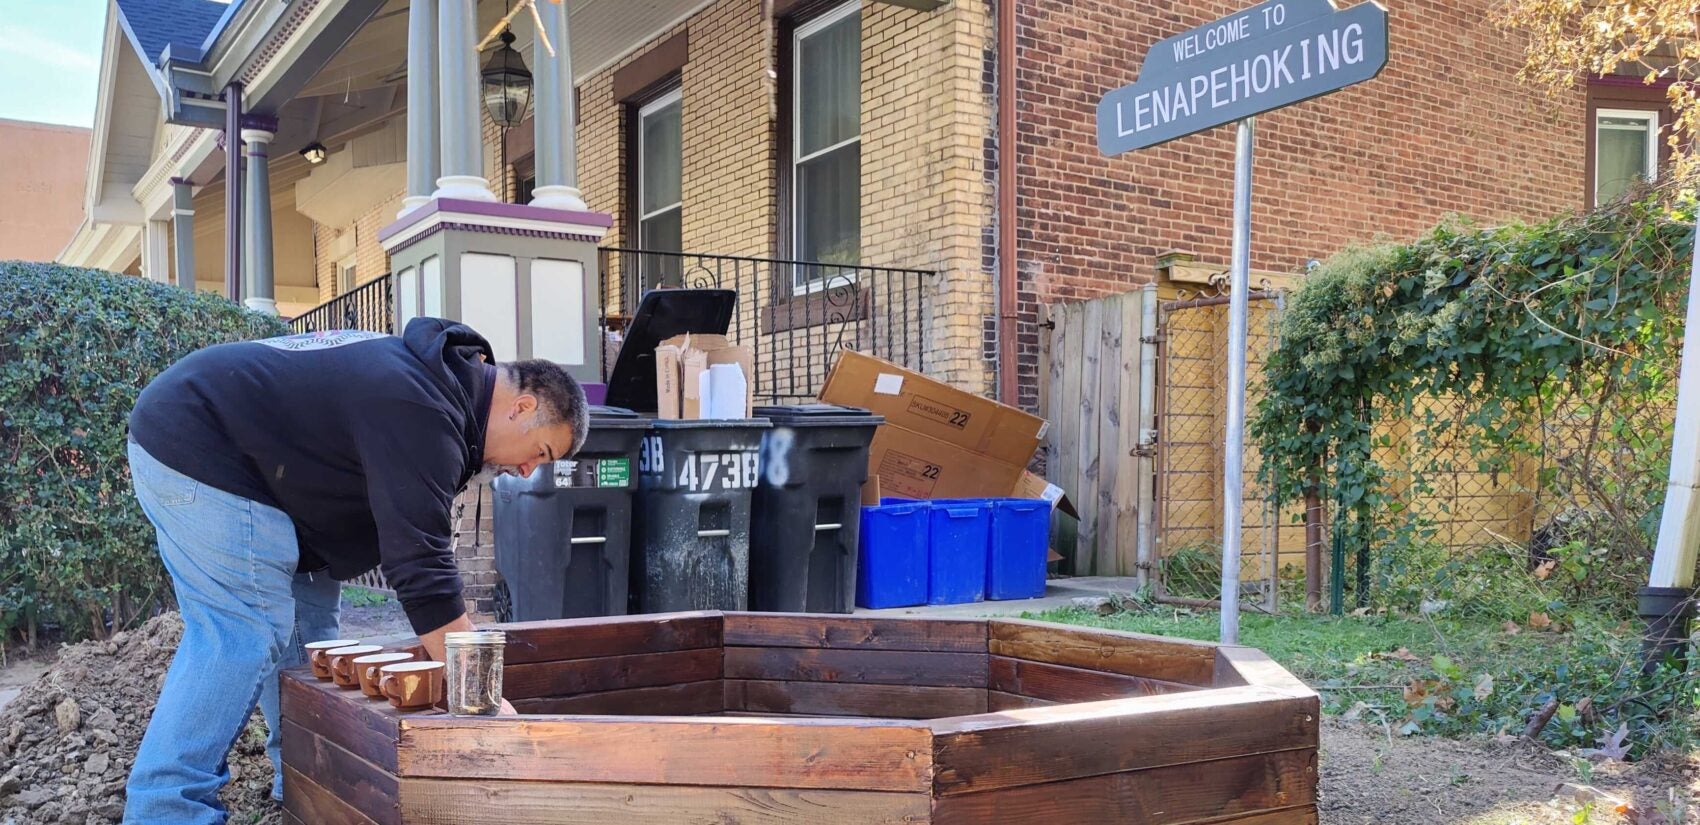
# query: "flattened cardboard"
[924,406]
[669,396]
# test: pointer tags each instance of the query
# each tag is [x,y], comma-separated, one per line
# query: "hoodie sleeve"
[413,458]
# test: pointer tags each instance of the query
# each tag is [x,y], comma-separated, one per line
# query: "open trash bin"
[807,508]
[563,535]
[696,480]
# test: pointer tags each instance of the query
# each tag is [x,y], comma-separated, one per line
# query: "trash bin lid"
[818,415]
[662,314]
[615,418]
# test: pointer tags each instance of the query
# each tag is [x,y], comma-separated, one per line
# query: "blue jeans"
[246,614]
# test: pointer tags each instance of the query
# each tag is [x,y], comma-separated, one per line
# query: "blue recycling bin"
[892,555]
[1020,538]
[957,551]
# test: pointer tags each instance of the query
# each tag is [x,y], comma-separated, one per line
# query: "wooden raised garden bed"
[769,718]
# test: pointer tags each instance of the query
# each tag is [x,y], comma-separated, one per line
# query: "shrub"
[76,347]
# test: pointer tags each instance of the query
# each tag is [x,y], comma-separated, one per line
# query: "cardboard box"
[680,363]
[927,407]
[669,396]
[911,465]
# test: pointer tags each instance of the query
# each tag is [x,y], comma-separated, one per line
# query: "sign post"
[1275,54]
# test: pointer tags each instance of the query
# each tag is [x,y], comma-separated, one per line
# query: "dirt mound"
[68,740]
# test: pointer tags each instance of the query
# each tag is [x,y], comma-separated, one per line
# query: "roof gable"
[182,25]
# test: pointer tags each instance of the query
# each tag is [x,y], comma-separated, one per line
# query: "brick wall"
[1445,129]
[925,200]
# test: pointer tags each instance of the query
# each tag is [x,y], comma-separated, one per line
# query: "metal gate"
[1191,405]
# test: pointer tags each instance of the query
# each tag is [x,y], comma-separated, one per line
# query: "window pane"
[829,208]
[661,154]
[829,85]
[1621,152]
[659,233]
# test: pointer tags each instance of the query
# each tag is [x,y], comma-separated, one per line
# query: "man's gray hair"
[559,396]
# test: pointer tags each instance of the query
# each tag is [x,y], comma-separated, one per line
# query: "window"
[659,188]
[1626,149]
[345,275]
[525,185]
[826,147]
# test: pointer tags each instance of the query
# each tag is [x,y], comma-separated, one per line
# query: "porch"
[794,315]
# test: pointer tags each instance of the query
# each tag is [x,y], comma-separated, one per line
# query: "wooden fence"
[1094,451]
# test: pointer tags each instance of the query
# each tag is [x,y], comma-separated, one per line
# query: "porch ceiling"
[602,32]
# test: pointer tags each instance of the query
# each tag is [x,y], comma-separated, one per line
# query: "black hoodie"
[363,439]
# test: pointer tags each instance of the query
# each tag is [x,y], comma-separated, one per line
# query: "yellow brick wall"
[925,200]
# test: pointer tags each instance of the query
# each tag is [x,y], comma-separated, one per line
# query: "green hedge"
[76,347]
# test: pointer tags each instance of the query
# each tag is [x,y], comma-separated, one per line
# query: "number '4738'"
[703,472]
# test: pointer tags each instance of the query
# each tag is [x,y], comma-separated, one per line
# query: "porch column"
[257,281]
[156,252]
[233,231]
[462,135]
[424,161]
[557,143]
[183,232]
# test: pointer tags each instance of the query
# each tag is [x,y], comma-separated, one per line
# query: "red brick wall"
[1445,129]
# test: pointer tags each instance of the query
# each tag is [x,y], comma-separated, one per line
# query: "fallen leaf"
[1410,728]
[1419,690]
[1356,711]
[1402,655]
[1484,686]
[1362,611]
[1612,744]
[1545,568]
[1540,621]
[1512,629]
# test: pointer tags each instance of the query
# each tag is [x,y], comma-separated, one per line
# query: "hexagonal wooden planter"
[766,718]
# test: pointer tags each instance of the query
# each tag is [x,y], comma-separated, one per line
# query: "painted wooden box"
[776,718]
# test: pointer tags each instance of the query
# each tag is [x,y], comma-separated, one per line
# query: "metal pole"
[1145,538]
[1233,454]
[233,193]
[1666,602]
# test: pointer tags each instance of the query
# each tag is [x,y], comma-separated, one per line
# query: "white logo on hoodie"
[329,339]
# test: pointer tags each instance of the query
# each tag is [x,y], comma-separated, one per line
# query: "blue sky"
[50,59]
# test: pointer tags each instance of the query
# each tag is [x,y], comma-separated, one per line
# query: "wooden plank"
[1065,420]
[1250,666]
[1111,651]
[879,667]
[1087,467]
[1191,793]
[1059,683]
[310,802]
[1301,815]
[460,802]
[689,699]
[608,636]
[1128,480]
[972,753]
[851,699]
[347,777]
[848,754]
[1110,412]
[292,819]
[918,634]
[361,726]
[997,700]
[574,676]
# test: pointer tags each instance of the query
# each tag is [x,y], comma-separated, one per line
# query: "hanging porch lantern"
[507,85]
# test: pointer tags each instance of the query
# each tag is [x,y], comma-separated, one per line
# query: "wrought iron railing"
[793,315]
[370,306]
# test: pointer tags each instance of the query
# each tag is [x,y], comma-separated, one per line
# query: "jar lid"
[468,638]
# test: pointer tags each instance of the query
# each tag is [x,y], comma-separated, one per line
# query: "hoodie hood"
[450,352]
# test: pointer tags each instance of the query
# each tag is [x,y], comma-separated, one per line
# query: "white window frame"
[1651,118]
[345,281]
[674,97]
[798,159]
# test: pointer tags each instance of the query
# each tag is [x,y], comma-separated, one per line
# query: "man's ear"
[524,404]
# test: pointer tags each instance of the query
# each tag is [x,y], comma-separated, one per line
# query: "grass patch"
[1448,676]
[362,597]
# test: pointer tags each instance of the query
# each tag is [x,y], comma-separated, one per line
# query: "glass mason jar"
[474,672]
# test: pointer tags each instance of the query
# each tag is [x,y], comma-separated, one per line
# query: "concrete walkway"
[1058,593]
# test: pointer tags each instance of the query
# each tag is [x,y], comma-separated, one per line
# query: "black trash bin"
[692,551]
[563,535]
[808,508]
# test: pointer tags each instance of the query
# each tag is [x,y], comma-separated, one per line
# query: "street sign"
[1274,54]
